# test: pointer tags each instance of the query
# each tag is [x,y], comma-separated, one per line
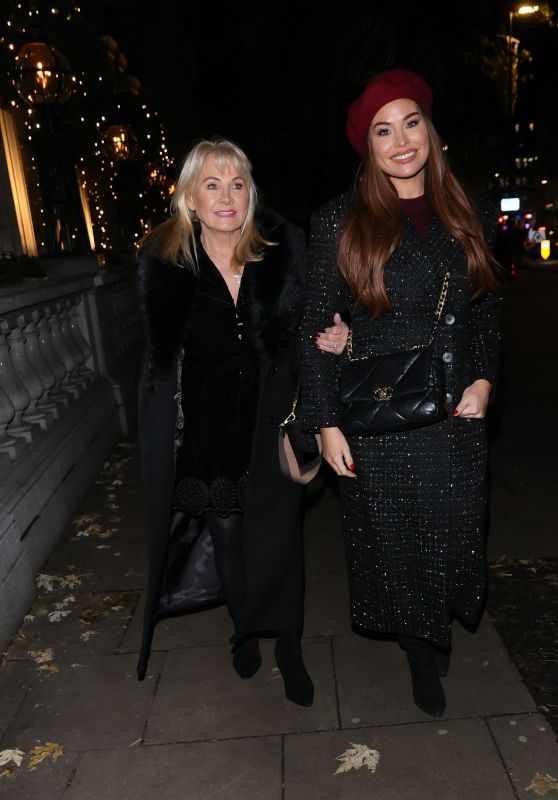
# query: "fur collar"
[272,292]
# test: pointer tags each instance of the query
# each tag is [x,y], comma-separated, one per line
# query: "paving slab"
[446,760]
[512,536]
[200,629]
[16,679]
[528,746]
[322,510]
[93,623]
[97,705]
[46,781]
[323,550]
[102,565]
[241,769]
[200,696]
[326,605]
[374,683]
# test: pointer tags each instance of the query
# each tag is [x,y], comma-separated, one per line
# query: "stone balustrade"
[69,363]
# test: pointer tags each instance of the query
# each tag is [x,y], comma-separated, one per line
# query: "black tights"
[226,534]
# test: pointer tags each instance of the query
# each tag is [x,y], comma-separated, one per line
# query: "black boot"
[428,693]
[441,659]
[246,657]
[288,655]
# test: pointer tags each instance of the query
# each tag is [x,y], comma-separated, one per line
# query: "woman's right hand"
[337,453]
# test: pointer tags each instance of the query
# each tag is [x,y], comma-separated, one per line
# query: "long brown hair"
[374,226]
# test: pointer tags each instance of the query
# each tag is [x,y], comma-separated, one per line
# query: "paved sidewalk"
[194,731]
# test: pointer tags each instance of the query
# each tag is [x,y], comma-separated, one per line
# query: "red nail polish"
[455,412]
[352,467]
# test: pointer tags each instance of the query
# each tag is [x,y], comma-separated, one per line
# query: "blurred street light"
[513,45]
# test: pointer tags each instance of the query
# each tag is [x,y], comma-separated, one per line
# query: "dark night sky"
[277,79]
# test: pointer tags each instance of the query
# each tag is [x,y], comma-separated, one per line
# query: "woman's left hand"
[474,401]
[334,338]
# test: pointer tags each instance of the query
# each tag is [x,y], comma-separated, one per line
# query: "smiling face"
[220,198]
[400,146]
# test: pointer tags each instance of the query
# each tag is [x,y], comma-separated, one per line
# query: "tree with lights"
[90,167]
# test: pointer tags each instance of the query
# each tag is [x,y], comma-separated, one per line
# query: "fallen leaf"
[58,615]
[49,668]
[28,618]
[85,519]
[40,752]
[70,581]
[86,635]
[71,598]
[14,756]
[543,784]
[522,739]
[44,581]
[94,531]
[41,656]
[359,756]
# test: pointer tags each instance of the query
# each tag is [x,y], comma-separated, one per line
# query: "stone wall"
[70,353]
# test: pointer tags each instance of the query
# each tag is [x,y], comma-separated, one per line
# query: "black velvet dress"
[219,402]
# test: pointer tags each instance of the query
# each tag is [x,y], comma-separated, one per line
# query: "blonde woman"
[221,284]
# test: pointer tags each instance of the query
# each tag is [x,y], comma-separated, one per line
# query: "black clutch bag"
[393,392]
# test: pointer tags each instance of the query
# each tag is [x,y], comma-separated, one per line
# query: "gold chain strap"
[437,315]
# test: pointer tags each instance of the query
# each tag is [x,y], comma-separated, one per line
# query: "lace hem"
[223,495]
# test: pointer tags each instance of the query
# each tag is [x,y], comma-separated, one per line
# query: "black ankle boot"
[288,655]
[246,657]
[428,693]
[441,659]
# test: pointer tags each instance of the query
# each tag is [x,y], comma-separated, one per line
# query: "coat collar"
[272,291]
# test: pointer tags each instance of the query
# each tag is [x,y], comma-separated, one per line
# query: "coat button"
[449,319]
[447,358]
[449,397]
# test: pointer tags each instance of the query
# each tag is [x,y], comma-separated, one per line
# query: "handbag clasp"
[383,393]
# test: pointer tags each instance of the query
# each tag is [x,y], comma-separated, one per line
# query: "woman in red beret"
[413,500]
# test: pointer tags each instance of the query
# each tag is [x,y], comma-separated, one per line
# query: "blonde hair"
[174,240]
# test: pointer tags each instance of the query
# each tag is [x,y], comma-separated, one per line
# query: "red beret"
[381,89]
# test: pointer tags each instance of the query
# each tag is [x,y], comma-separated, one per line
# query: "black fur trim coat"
[182,575]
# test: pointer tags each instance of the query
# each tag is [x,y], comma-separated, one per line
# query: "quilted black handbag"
[393,392]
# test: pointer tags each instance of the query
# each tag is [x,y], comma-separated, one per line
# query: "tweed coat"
[182,575]
[414,517]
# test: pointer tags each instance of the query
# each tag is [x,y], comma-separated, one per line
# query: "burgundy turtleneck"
[419,211]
